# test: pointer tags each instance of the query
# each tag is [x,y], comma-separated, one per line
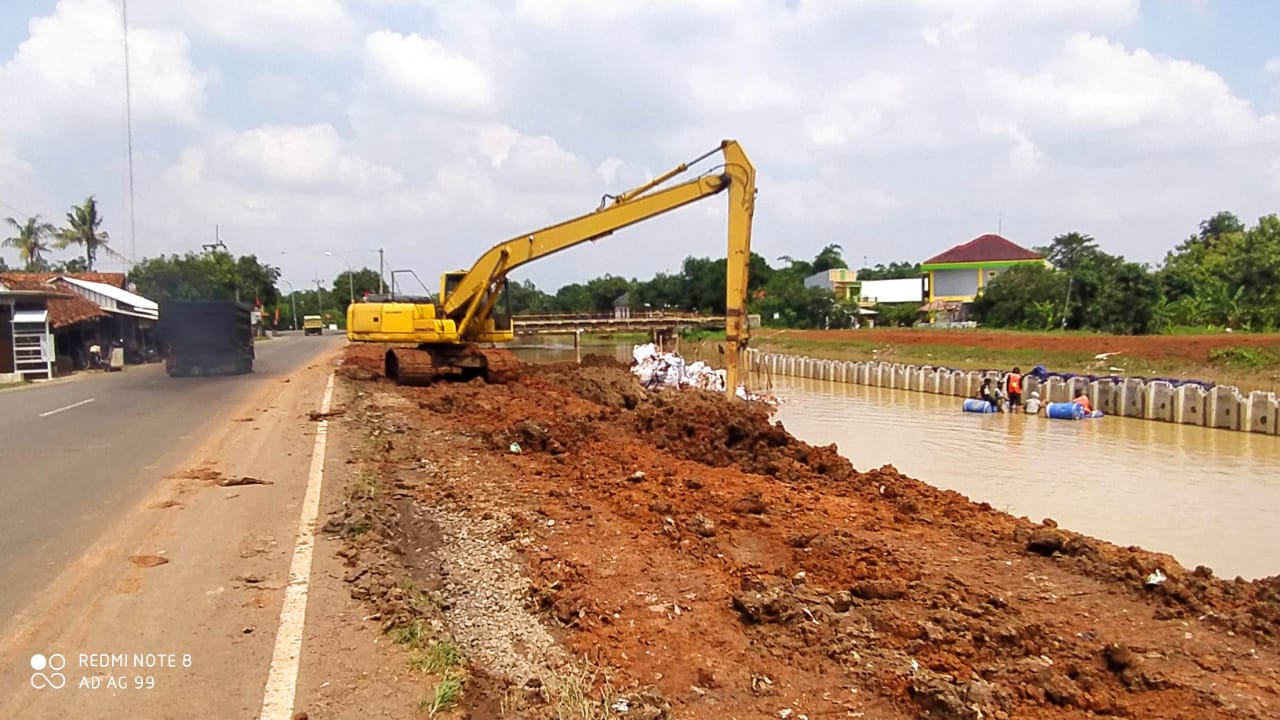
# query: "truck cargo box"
[206,337]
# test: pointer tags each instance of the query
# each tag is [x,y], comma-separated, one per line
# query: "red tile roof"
[106,278]
[984,248]
[69,307]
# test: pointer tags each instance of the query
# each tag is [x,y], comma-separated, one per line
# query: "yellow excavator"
[444,335]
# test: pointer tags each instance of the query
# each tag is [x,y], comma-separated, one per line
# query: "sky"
[434,130]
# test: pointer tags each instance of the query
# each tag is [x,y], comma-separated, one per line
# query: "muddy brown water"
[1207,497]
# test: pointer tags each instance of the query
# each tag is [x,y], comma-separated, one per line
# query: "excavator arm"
[467,301]
[468,298]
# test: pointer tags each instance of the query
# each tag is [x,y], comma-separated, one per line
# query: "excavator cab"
[498,308]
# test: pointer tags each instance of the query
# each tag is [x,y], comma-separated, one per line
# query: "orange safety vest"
[1015,383]
[1083,401]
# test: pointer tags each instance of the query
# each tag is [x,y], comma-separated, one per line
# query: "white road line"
[282,679]
[68,407]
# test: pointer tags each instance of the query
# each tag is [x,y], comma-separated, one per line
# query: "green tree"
[662,291]
[1223,223]
[83,223]
[892,271]
[1226,275]
[31,242]
[526,298]
[829,257]
[897,314]
[604,290]
[360,282]
[207,276]
[790,304]
[1072,252]
[573,298]
[74,265]
[1027,297]
[1126,302]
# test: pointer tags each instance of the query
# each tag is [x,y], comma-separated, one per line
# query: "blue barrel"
[978,406]
[1064,411]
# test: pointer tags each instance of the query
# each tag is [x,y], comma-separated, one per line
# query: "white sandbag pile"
[658,370]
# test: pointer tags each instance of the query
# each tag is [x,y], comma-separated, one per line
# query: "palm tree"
[30,241]
[82,229]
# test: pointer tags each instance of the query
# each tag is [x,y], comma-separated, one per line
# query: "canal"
[1207,497]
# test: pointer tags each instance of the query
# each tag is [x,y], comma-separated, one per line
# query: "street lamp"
[351,277]
[293,300]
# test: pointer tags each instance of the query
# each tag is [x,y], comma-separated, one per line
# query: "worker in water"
[991,394]
[1033,403]
[1083,401]
[1013,386]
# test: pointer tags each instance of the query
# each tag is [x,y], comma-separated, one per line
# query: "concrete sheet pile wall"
[1190,404]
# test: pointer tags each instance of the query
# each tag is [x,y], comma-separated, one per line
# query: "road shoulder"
[190,580]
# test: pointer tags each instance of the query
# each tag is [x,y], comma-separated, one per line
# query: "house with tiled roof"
[958,275]
[86,308]
[26,343]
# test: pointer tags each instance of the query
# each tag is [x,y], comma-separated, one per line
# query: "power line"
[20,212]
[128,120]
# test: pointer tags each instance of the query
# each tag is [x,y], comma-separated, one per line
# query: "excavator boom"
[463,314]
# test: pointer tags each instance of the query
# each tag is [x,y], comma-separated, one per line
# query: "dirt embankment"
[703,563]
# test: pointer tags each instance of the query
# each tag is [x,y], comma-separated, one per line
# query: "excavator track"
[411,366]
[501,366]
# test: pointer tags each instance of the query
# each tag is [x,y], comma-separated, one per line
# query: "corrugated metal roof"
[114,293]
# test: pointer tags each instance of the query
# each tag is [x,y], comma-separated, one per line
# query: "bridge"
[655,323]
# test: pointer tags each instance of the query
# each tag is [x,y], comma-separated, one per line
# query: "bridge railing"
[633,315]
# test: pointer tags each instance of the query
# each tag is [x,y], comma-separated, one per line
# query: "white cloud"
[1024,156]
[427,69]
[69,73]
[322,26]
[855,111]
[306,155]
[1093,84]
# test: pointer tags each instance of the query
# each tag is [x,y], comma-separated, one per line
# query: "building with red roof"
[958,275]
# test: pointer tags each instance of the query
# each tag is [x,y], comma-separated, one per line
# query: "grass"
[1241,357]
[412,634]
[11,385]
[443,696]
[356,528]
[365,487]
[573,694]
[442,656]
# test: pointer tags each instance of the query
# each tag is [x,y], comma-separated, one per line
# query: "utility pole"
[319,305]
[381,289]
[293,301]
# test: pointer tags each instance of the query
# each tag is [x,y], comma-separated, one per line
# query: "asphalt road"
[75,454]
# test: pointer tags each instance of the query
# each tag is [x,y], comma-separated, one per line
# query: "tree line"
[778,293]
[1226,275]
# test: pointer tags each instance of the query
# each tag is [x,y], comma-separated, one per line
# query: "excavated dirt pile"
[707,564]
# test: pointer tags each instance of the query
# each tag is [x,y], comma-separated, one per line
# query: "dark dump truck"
[206,337]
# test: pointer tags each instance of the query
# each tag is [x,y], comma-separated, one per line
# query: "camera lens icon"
[54,678]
